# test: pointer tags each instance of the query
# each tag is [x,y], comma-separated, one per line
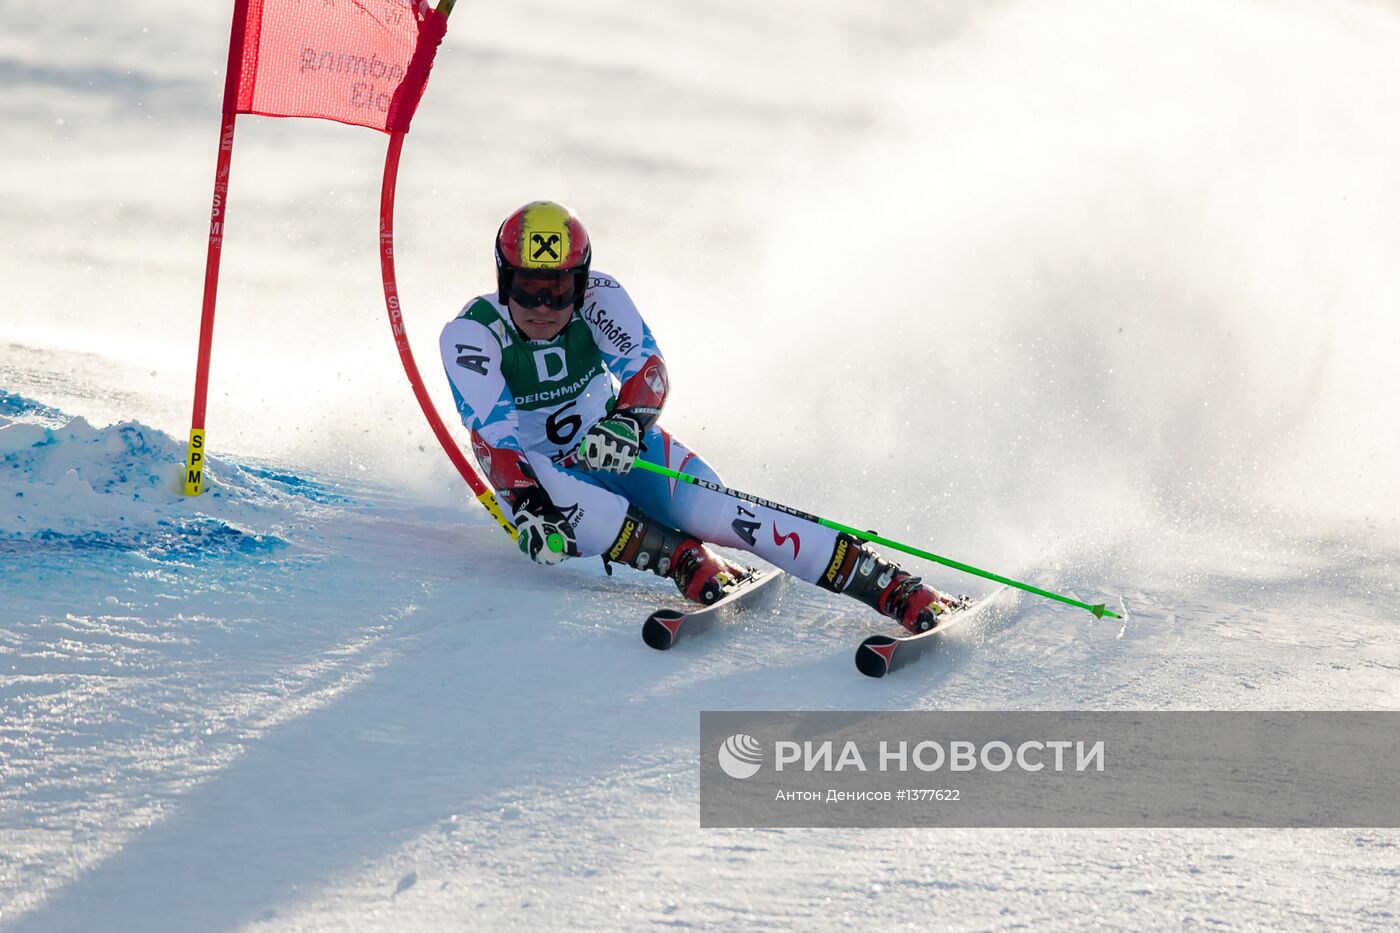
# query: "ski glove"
[545,535]
[612,444]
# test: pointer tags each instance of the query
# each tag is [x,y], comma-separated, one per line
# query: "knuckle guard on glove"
[537,520]
[611,445]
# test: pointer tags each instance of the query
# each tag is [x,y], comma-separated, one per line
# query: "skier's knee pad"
[645,543]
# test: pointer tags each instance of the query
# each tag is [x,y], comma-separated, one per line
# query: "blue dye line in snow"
[199,539]
[298,485]
[14,404]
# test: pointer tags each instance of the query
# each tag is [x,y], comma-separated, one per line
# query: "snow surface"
[1097,296]
[330,708]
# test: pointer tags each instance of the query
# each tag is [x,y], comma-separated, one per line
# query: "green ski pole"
[1099,610]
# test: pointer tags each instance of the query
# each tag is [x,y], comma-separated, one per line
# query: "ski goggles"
[555,290]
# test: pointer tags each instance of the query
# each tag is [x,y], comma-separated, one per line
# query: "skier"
[561,384]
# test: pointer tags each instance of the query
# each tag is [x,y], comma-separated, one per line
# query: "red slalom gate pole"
[484,494]
[432,27]
[194,457]
[415,79]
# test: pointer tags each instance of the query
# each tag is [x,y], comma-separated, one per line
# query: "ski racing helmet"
[542,257]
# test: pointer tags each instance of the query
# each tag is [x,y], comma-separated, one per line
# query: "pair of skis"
[877,655]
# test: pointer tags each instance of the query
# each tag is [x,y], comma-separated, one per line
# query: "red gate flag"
[362,62]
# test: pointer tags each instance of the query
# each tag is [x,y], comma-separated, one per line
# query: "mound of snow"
[63,480]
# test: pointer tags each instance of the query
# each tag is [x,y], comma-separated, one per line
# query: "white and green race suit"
[529,402]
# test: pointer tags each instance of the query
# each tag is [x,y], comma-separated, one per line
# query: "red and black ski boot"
[915,605]
[858,570]
[646,544]
[700,573]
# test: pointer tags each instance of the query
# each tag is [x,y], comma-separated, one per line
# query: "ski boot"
[859,571]
[699,573]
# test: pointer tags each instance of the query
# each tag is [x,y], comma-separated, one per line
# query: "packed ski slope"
[313,705]
[1096,298]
